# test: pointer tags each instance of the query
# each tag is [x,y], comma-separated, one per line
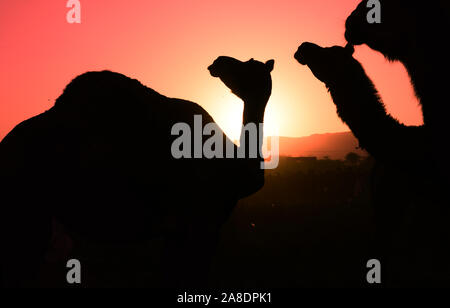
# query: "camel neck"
[253,114]
[255,117]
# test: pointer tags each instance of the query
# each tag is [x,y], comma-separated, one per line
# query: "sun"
[271,122]
[228,115]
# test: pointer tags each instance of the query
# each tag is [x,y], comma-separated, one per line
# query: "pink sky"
[168,45]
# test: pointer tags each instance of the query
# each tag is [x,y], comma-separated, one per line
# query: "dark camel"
[100,162]
[411,174]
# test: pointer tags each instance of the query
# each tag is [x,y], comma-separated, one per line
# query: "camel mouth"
[303,51]
[353,38]
[299,57]
[213,70]
[356,26]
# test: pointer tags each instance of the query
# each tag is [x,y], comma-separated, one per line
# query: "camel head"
[404,26]
[251,80]
[327,64]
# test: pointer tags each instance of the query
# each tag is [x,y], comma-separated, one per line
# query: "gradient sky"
[168,46]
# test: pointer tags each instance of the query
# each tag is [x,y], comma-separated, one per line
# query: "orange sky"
[168,45]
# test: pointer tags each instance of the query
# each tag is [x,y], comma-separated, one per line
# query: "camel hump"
[106,90]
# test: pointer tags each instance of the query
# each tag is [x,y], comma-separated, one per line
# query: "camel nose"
[297,55]
[354,28]
[303,51]
[212,70]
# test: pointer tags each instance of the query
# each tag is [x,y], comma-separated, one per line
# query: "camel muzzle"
[213,70]
[304,51]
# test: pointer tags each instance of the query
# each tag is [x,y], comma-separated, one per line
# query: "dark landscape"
[311,225]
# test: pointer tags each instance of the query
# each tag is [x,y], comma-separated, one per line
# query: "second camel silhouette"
[100,162]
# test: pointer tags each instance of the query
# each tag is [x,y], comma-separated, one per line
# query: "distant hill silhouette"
[333,145]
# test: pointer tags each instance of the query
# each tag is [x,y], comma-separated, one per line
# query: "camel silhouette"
[100,162]
[410,174]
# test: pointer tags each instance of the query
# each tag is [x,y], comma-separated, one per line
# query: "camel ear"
[270,64]
[350,49]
